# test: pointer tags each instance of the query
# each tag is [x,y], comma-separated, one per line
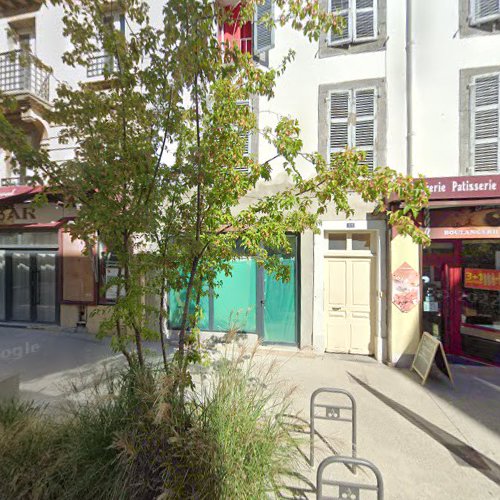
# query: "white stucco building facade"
[412,65]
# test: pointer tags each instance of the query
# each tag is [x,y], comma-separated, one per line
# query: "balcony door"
[27,45]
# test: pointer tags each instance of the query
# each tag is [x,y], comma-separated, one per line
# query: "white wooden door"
[348,304]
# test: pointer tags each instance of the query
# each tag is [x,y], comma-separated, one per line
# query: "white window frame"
[472,120]
[352,17]
[475,20]
[352,121]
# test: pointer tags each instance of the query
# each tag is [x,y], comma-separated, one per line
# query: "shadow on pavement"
[469,455]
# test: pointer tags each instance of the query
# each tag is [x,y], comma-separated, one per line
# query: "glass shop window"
[29,239]
[439,248]
[481,284]
[249,293]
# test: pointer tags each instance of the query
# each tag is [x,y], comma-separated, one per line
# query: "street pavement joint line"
[441,409]
[469,455]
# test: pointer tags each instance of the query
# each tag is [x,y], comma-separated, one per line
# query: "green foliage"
[241,446]
[28,451]
[14,412]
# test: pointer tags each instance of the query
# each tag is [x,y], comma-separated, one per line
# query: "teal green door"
[280,307]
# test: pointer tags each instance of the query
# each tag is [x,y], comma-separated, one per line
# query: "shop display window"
[28,239]
[481,284]
[250,300]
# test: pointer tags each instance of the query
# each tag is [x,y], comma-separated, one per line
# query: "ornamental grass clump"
[135,438]
[240,445]
[29,452]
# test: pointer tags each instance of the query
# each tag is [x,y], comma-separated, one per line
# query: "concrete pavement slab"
[414,463]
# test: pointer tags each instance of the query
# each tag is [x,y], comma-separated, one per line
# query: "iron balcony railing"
[101,63]
[21,72]
[15,181]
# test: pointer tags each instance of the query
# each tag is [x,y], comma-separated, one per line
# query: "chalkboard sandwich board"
[430,349]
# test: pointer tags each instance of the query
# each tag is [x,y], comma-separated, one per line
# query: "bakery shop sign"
[13,214]
[453,188]
[465,223]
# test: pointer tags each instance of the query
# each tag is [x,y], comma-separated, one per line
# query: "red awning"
[17,194]
[39,225]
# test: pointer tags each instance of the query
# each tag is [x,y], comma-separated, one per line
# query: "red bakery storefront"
[461,267]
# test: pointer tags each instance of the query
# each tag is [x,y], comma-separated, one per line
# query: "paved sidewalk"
[433,442]
[52,363]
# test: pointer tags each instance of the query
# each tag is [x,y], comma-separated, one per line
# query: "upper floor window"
[484,12]
[103,61]
[352,120]
[360,21]
[255,37]
[484,128]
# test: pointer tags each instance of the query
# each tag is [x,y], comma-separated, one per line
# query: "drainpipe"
[409,89]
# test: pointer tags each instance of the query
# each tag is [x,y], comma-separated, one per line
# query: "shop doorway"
[348,304]
[441,262]
[461,304]
[32,280]
[28,277]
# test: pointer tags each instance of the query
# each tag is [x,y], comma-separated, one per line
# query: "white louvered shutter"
[343,9]
[263,34]
[365,20]
[340,105]
[247,150]
[485,124]
[365,126]
[484,11]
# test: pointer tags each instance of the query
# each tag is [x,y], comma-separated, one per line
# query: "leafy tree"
[160,172]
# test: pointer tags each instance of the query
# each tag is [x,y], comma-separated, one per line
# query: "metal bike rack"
[332,412]
[348,490]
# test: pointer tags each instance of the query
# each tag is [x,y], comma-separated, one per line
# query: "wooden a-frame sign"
[430,349]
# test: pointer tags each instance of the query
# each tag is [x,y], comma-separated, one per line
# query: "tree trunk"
[137,333]
[162,318]
[185,312]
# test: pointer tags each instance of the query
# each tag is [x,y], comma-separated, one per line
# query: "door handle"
[336,308]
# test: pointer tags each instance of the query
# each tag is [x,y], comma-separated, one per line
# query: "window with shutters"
[360,21]
[352,119]
[255,37]
[484,12]
[484,127]
[250,144]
